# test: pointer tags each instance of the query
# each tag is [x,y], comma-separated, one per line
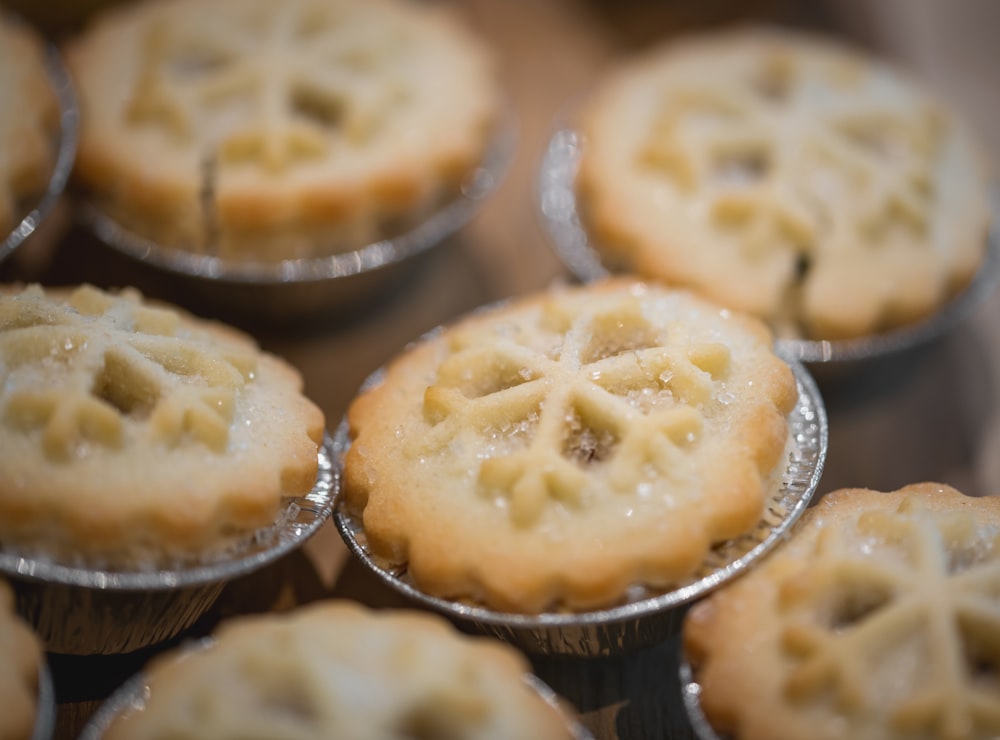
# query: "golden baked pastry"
[787,176]
[20,663]
[271,129]
[879,619]
[28,120]
[555,451]
[336,669]
[133,433]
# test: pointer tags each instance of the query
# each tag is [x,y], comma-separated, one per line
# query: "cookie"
[337,669]
[265,130]
[785,175]
[878,619]
[133,434]
[553,452]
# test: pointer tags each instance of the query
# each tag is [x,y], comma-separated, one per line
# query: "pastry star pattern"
[607,389]
[784,158]
[928,579]
[116,361]
[274,83]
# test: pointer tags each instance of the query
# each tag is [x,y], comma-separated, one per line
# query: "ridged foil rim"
[691,698]
[477,186]
[303,515]
[809,429]
[558,207]
[69,126]
[134,693]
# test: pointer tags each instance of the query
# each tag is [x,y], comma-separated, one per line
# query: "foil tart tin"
[133,694]
[85,611]
[691,697]
[298,288]
[644,621]
[45,706]
[65,146]
[572,244]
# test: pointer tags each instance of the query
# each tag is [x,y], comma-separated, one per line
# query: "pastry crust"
[274,129]
[337,669]
[28,121]
[784,175]
[133,433]
[20,663]
[877,620]
[553,452]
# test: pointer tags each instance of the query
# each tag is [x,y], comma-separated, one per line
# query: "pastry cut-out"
[131,432]
[878,619]
[551,452]
[785,175]
[265,130]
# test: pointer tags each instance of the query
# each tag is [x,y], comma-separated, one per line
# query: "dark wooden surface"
[928,415]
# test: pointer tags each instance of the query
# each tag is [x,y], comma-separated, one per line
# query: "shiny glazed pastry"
[28,121]
[556,451]
[879,619]
[339,670]
[20,663]
[133,434]
[787,176]
[263,130]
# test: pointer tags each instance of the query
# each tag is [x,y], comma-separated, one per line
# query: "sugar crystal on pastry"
[555,451]
[877,620]
[132,432]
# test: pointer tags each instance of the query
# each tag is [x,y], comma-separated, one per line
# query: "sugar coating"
[129,427]
[878,619]
[557,450]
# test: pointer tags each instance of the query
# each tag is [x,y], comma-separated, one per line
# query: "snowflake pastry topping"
[920,583]
[786,159]
[608,389]
[80,372]
[272,84]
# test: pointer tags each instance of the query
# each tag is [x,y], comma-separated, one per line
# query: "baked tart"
[786,175]
[20,668]
[338,669]
[556,451]
[29,122]
[268,130]
[134,435]
[877,619]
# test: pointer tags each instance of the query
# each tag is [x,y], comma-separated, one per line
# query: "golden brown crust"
[132,431]
[20,663]
[785,175]
[337,669]
[877,619]
[273,130]
[28,121]
[554,451]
